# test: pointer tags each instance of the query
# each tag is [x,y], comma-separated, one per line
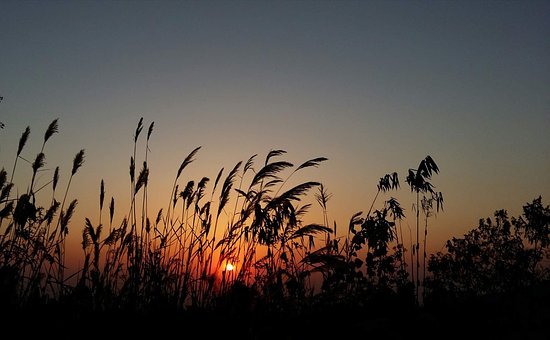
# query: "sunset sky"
[374,86]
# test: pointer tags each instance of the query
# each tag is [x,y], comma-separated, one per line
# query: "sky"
[374,86]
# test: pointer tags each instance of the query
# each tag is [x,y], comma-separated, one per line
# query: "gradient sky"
[375,86]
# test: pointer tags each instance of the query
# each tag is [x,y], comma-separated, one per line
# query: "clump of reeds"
[32,241]
[244,229]
[179,256]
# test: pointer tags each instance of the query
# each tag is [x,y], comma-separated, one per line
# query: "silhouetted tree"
[499,256]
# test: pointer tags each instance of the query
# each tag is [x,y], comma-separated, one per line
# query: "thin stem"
[417,283]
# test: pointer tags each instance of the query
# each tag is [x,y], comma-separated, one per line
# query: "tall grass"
[240,244]
[32,254]
[419,182]
[244,229]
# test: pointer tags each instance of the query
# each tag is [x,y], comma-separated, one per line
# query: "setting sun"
[229,267]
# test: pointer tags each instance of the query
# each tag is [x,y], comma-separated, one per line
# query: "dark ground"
[523,316]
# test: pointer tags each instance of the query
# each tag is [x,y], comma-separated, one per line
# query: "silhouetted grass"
[173,263]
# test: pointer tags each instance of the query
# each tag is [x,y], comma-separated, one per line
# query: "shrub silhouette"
[494,281]
[501,255]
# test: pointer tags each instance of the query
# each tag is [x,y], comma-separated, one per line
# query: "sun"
[229,267]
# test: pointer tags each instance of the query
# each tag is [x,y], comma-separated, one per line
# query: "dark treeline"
[168,271]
